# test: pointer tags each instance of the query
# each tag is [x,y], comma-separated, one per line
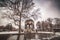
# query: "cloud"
[47,8]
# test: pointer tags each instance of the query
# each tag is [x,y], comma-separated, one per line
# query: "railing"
[33,32]
[22,33]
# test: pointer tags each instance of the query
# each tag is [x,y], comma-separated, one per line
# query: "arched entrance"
[29,24]
[39,26]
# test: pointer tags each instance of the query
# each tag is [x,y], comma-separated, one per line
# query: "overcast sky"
[49,8]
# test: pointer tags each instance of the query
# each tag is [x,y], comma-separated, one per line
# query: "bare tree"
[26,13]
[18,7]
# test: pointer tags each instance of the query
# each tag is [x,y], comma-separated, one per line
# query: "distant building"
[39,26]
[29,26]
